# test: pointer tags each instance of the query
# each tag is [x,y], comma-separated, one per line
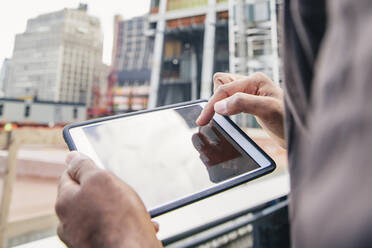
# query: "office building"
[3,76]
[57,58]
[132,50]
[132,62]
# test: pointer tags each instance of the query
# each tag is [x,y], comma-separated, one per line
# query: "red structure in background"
[103,104]
[111,83]
[95,110]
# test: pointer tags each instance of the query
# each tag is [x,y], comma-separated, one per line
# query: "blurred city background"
[84,60]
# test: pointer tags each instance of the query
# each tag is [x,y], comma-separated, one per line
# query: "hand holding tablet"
[166,158]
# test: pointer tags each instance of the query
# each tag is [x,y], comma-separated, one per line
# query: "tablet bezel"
[266,164]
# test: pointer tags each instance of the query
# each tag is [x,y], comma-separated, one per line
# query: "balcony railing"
[262,226]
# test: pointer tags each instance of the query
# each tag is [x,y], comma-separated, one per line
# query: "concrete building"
[3,76]
[57,58]
[132,50]
[194,39]
[40,112]
[132,61]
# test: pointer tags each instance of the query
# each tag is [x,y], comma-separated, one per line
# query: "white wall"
[41,113]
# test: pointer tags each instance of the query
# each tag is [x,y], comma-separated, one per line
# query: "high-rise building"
[57,58]
[132,48]
[195,38]
[132,62]
[3,76]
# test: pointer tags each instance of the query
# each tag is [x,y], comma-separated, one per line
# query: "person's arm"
[255,94]
[96,209]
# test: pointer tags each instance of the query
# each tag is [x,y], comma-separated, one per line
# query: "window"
[27,111]
[1,109]
[75,114]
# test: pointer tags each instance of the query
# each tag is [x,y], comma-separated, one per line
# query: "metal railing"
[262,226]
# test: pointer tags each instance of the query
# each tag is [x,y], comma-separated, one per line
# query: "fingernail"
[199,117]
[221,107]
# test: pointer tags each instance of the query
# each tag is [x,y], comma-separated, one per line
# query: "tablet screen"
[165,156]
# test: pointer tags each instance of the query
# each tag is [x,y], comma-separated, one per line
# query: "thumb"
[243,103]
[79,166]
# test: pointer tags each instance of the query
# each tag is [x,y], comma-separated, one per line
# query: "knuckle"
[222,90]
[235,104]
[262,78]
[85,162]
[259,75]
[217,75]
[238,98]
[98,178]
[76,169]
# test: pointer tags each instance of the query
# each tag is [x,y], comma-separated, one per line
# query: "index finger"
[221,78]
[222,92]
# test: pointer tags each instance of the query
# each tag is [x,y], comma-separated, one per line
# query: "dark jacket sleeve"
[304,24]
[333,203]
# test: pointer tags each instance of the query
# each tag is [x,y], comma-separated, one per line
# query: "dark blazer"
[328,83]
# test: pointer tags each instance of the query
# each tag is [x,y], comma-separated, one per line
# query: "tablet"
[169,160]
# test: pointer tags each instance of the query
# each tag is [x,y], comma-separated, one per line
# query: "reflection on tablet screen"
[164,155]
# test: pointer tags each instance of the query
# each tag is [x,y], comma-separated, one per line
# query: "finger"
[244,103]
[223,92]
[67,189]
[80,167]
[156,226]
[66,182]
[221,78]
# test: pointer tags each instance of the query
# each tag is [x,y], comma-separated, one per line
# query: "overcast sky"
[14,15]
